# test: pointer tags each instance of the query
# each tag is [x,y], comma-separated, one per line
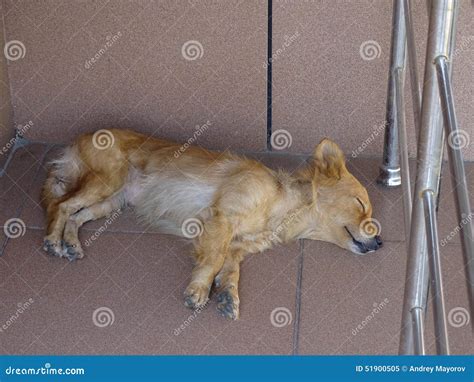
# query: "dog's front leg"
[211,250]
[227,284]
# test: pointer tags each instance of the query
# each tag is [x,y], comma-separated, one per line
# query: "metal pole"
[430,151]
[458,173]
[403,147]
[441,329]
[412,62]
[418,323]
[390,169]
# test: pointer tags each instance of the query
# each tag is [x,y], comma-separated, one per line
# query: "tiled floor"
[125,297]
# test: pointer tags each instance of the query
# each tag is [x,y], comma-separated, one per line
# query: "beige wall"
[323,86]
[6,112]
[140,78]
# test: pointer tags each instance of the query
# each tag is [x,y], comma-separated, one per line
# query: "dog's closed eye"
[362,204]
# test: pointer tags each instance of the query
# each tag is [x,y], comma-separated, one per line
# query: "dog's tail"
[63,176]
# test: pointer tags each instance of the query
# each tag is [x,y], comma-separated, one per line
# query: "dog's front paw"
[228,304]
[196,296]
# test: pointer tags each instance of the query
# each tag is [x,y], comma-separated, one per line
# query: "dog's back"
[167,183]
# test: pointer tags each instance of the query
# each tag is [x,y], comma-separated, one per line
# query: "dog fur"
[235,205]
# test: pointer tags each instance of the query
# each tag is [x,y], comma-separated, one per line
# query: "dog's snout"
[370,245]
[374,244]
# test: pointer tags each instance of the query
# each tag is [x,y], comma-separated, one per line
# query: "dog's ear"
[329,159]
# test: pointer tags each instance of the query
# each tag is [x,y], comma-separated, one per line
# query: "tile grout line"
[299,280]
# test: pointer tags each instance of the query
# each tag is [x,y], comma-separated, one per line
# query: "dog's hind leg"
[94,189]
[71,243]
[210,253]
[227,284]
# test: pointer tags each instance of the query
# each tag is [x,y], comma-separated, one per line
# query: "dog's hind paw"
[53,248]
[72,251]
[62,249]
[228,305]
[196,296]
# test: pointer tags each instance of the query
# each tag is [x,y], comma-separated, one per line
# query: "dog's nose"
[374,244]
[378,240]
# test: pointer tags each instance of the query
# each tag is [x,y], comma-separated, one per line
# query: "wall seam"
[269,74]
[7,71]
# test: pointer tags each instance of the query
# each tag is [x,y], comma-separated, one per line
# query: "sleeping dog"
[227,204]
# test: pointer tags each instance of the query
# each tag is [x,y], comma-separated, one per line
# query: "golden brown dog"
[228,204]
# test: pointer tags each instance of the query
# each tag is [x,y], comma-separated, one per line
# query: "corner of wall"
[7,126]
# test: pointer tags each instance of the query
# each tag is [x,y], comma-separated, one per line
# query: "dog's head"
[340,212]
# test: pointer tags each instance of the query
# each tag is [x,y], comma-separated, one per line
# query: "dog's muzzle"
[368,246]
